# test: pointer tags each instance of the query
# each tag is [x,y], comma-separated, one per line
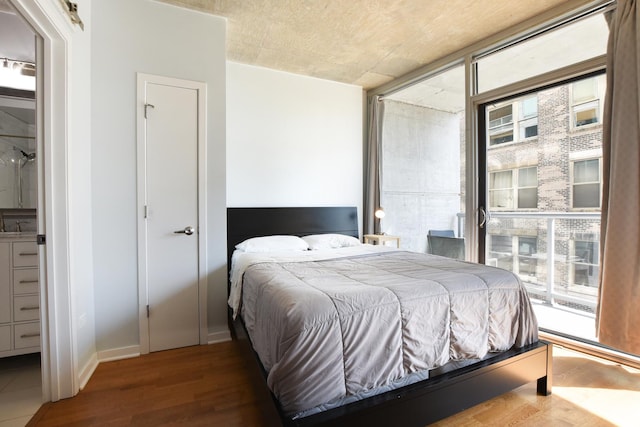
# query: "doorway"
[20,358]
[170,178]
[542,168]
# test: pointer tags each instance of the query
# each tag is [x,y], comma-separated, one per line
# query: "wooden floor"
[211,386]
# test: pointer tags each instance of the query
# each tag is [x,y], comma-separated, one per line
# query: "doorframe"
[58,336]
[201,89]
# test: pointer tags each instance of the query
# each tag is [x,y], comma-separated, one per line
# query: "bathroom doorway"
[20,338]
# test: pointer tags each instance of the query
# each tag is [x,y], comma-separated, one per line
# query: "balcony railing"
[561,266]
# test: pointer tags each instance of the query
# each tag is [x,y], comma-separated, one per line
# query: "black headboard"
[243,223]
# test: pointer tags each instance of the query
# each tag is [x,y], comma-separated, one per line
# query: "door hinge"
[147,311]
[146,211]
[41,239]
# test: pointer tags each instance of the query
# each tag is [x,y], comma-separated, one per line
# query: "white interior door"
[169,258]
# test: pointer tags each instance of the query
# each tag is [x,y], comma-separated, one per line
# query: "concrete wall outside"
[420,173]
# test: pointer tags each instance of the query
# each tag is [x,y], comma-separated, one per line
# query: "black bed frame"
[445,393]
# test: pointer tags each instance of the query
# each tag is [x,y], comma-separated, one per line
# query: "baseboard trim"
[215,337]
[87,371]
[119,353]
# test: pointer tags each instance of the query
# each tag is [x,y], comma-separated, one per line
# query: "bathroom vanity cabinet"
[19,295]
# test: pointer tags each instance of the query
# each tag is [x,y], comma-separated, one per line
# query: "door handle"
[187,230]
[483,217]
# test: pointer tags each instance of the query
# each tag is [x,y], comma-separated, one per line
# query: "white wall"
[132,36]
[292,140]
[79,184]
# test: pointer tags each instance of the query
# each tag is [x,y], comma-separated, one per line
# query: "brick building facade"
[544,164]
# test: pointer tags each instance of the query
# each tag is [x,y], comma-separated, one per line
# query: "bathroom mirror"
[18,171]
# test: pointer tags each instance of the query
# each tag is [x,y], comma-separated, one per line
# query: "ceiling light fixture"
[18,74]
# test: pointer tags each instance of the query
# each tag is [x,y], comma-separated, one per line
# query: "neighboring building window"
[585,263]
[501,189]
[501,125]
[528,188]
[503,128]
[527,248]
[500,251]
[514,189]
[586,183]
[528,117]
[585,102]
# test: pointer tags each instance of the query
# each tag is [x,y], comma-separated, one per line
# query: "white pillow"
[273,244]
[330,241]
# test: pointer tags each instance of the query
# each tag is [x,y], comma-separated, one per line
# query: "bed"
[380,385]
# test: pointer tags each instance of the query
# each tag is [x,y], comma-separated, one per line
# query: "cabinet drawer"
[5,282]
[25,281]
[5,338]
[27,335]
[25,254]
[26,308]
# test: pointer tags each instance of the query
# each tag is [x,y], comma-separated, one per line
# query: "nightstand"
[381,239]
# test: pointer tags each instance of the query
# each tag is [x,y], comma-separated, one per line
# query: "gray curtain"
[373,177]
[619,297]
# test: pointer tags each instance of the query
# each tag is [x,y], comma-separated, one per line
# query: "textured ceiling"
[361,42]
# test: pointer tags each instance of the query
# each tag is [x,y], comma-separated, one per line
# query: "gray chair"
[441,233]
[450,247]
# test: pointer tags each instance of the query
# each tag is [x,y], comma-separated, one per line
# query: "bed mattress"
[330,327]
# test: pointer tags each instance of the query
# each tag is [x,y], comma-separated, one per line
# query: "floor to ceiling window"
[510,133]
[423,152]
[544,198]
[540,132]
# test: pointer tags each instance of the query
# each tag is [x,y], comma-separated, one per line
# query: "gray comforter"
[333,329]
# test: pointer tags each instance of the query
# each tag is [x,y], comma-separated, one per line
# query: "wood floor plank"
[214,385]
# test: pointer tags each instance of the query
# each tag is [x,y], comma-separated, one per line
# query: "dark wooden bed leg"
[545,383]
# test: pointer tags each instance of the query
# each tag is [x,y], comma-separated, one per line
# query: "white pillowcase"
[330,241]
[273,244]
